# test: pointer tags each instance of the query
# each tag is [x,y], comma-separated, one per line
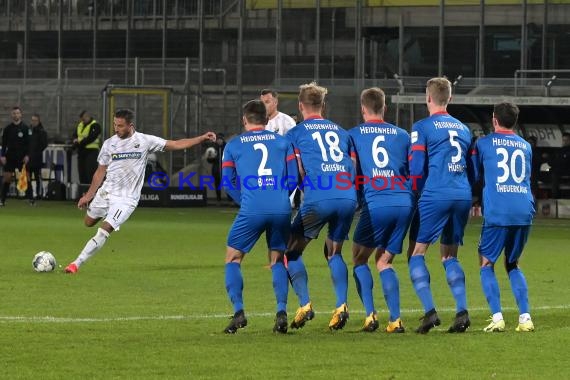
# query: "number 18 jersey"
[325,149]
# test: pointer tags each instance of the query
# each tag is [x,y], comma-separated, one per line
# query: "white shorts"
[115,210]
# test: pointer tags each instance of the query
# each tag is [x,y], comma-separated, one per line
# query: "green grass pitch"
[152,304]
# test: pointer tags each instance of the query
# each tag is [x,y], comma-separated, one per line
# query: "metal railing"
[546,82]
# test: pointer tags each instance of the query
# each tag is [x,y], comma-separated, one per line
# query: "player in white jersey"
[116,185]
[278,122]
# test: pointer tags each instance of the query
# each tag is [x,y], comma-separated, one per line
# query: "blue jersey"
[440,146]
[382,152]
[258,169]
[325,149]
[503,161]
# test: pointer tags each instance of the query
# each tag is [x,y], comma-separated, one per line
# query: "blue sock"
[491,289]
[339,275]
[280,285]
[234,285]
[420,279]
[456,281]
[391,289]
[520,290]
[364,285]
[298,275]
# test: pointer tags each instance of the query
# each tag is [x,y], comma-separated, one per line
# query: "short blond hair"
[312,95]
[439,89]
[373,99]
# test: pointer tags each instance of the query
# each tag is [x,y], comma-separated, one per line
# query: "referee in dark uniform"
[15,148]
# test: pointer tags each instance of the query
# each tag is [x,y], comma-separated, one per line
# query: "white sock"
[524,317]
[93,245]
[497,317]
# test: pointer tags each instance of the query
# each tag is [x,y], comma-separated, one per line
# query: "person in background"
[278,122]
[38,143]
[216,161]
[15,150]
[87,140]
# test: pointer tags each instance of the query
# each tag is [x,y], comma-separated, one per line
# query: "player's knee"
[511,266]
[233,256]
[359,257]
[293,255]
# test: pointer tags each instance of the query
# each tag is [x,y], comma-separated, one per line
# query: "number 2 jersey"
[258,169]
[325,149]
[444,141]
[503,161]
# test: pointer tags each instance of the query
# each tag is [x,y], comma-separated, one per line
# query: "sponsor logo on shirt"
[414,136]
[126,156]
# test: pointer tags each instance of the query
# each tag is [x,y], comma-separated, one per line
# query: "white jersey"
[126,163]
[280,124]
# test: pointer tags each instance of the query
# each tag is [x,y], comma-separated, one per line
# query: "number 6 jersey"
[503,161]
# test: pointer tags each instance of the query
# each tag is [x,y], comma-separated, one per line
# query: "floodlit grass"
[152,304]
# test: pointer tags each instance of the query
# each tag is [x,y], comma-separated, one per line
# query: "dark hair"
[82,113]
[126,114]
[566,134]
[266,91]
[16,108]
[506,114]
[373,99]
[254,112]
[37,115]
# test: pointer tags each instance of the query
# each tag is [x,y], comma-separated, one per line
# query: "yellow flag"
[22,185]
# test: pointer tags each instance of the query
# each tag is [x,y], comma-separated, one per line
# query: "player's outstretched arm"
[96,182]
[190,142]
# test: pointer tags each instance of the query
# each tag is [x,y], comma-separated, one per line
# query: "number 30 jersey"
[440,146]
[258,170]
[326,152]
[503,160]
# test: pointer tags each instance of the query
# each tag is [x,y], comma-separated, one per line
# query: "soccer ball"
[44,262]
[211,152]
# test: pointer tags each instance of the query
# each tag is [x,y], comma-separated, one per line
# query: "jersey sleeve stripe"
[418,148]
[228,164]
[291,157]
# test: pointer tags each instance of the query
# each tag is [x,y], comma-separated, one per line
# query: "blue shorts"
[496,238]
[312,217]
[383,227]
[445,218]
[247,229]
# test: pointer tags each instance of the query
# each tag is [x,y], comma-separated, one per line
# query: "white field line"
[48,319]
